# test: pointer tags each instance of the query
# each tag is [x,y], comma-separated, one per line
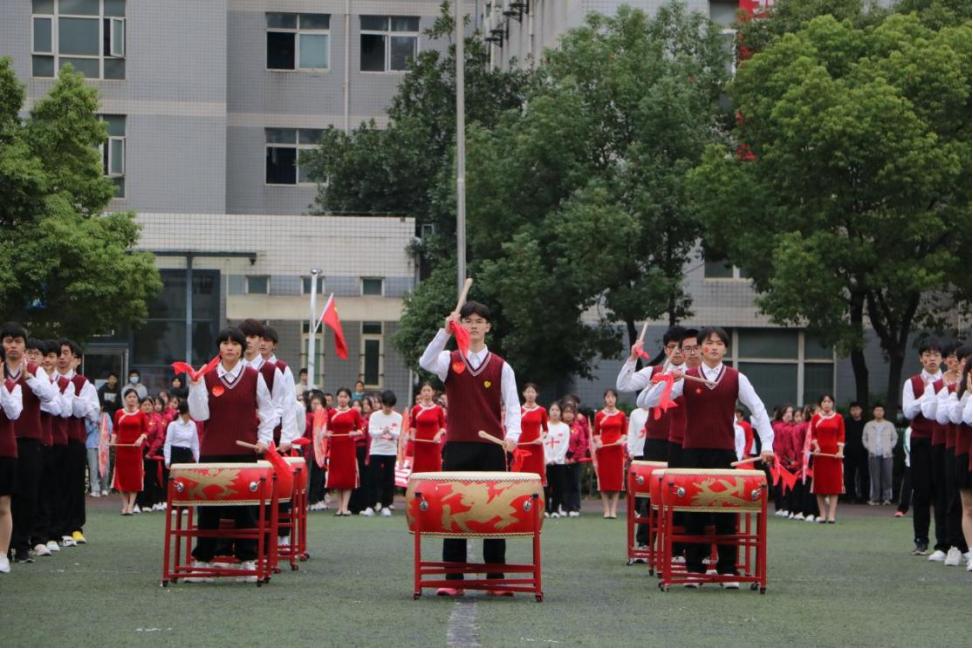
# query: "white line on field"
[461,630]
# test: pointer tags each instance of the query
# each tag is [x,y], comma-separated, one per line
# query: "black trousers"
[45,500]
[474,456]
[315,489]
[905,491]
[554,493]
[382,480]
[939,495]
[954,507]
[24,504]
[857,483]
[208,518]
[705,458]
[924,467]
[572,486]
[152,491]
[76,462]
[656,450]
[57,458]
[359,496]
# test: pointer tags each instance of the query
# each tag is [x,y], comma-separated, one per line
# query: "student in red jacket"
[576,456]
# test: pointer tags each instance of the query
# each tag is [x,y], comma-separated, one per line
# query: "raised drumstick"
[462,295]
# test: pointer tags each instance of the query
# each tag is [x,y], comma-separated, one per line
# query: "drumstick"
[253,447]
[125,445]
[618,443]
[835,455]
[485,435]
[426,441]
[463,293]
[645,329]
[750,460]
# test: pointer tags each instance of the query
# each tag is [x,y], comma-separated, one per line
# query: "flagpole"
[460,149]
[312,329]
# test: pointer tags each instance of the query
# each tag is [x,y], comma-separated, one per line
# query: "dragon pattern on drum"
[223,483]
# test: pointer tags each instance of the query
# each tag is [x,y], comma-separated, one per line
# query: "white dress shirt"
[53,407]
[912,405]
[936,407]
[631,381]
[636,435]
[739,440]
[288,403]
[12,401]
[183,434]
[86,404]
[266,412]
[436,360]
[651,396]
[40,384]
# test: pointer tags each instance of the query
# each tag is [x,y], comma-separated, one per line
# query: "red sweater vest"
[474,399]
[944,433]
[677,421]
[922,428]
[8,436]
[657,428]
[232,414]
[77,432]
[710,413]
[28,425]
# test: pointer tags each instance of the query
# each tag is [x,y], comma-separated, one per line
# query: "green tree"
[65,267]
[856,204]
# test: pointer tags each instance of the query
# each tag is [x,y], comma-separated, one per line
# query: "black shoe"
[23,556]
[921,549]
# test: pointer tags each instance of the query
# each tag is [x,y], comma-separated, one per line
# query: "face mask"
[133,379]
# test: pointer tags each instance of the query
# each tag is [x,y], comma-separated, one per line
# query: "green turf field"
[848,584]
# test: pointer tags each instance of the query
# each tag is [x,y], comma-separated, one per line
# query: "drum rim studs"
[179,486]
[254,485]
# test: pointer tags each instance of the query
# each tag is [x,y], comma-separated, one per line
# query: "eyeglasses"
[691,350]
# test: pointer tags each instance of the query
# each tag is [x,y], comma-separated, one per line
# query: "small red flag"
[330,318]
[665,400]
[180,367]
[462,337]
[642,353]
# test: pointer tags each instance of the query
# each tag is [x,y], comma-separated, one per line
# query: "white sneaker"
[386,512]
[137,510]
[561,512]
[159,507]
[53,546]
[782,512]
[105,492]
[574,514]
[547,515]
[95,494]
[283,540]
[366,512]
[556,515]
[953,557]
[392,507]
[4,564]
[693,584]
[40,550]
[200,580]
[969,566]
[810,519]
[938,555]
[730,585]
[248,565]
[799,517]
[67,542]
[966,556]
[679,559]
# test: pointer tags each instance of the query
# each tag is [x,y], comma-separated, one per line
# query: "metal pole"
[460,150]
[189,308]
[312,330]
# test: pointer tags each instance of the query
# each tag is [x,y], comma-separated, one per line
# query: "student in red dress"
[11,405]
[533,432]
[132,429]
[828,437]
[344,428]
[608,439]
[427,432]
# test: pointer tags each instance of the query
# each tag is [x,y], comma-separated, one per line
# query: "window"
[306,285]
[372,286]
[258,284]
[785,366]
[285,149]
[298,41]
[718,268]
[113,152]
[388,43]
[88,34]
[372,359]
[729,38]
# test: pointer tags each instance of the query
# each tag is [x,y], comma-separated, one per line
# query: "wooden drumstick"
[126,445]
[252,447]
[487,436]
[834,455]
[463,293]
[749,460]
[645,328]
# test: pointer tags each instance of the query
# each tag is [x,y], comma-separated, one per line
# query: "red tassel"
[665,401]
[462,337]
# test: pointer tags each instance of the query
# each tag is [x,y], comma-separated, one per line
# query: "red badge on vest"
[217,390]
[459,367]
[699,390]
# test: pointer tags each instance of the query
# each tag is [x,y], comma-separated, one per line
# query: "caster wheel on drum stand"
[754,586]
[293,567]
[305,556]
[416,595]
[763,590]
[630,562]
[539,597]
[165,583]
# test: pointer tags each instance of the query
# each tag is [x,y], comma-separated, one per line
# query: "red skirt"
[343,466]
[611,469]
[129,470]
[534,463]
[427,457]
[828,477]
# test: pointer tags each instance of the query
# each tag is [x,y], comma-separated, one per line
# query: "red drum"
[714,490]
[217,483]
[474,504]
[638,476]
[299,470]
[655,487]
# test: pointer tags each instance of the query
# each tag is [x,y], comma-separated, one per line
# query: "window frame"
[101,57]
[106,154]
[387,35]
[246,286]
[382,284]
[298,146]
[380,338]
[297,31]
[734,359]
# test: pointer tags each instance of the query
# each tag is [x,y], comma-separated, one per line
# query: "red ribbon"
[462,337]
[520,454]
[180,367]
[641,353]
[665,401]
